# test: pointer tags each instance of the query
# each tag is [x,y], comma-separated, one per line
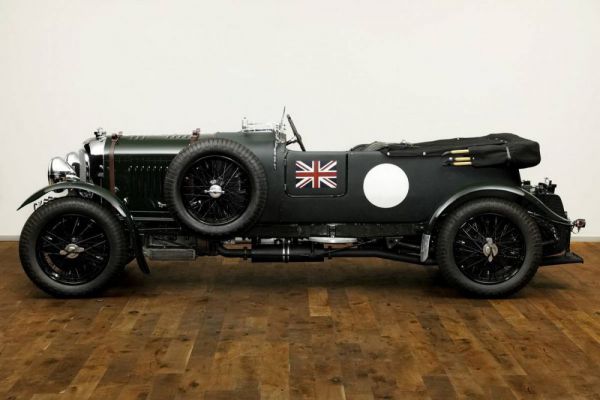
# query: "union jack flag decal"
[317,175]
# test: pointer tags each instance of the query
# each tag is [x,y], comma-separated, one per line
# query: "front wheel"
[72,247]
[489,248]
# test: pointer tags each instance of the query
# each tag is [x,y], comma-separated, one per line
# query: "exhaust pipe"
[285,251]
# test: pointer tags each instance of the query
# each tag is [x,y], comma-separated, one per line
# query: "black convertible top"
[485,151]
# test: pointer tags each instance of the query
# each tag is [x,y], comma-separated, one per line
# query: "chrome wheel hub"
[490,249]
[71,251]
[215,191]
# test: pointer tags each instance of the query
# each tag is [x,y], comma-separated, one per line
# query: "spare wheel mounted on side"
[216,187]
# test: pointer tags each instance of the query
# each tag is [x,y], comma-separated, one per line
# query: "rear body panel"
[430,183]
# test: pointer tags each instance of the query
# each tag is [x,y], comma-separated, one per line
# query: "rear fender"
[505,192]
[106,195]
[511,193]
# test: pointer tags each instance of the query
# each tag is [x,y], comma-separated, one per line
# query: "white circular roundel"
[386,185]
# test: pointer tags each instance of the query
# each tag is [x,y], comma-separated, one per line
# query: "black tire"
[94,270]
[518,248]
[251,175]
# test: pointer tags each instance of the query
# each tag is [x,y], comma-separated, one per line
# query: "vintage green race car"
[458,203]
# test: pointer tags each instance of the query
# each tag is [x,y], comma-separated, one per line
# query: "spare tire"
[216,187]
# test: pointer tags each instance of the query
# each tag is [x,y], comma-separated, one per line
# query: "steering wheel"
[296,134]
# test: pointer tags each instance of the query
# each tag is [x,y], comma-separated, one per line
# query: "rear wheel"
[72,247]
[489,248]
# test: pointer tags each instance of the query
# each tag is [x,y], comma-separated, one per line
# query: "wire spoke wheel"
[216,190]
[489,248]
[216,187]
[72,249]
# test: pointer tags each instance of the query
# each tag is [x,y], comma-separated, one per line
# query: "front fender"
[106,195]
[114,201]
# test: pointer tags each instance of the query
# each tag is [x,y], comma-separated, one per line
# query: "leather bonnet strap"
[111,161]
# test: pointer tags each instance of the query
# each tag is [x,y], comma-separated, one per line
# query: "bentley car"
[456,203]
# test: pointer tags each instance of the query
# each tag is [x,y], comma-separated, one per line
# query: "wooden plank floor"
[346,329]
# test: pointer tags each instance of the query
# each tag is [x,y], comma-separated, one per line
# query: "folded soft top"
[484,151]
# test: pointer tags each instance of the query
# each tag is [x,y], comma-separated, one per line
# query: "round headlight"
[73,160]
[59,171]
